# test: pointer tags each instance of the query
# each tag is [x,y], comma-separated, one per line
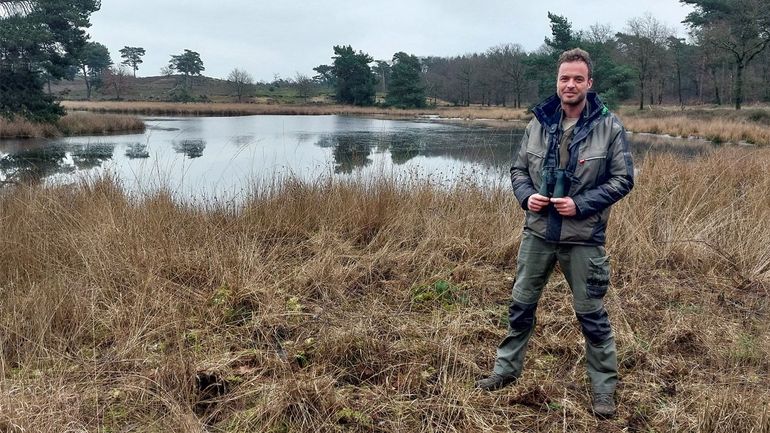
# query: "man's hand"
[565,206]
[537,202]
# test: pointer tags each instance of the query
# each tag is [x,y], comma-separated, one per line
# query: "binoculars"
[553,183]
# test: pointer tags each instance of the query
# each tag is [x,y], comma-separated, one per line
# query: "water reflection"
[32,164]
[90,156]
[222,153]
[191,148]
[243,140]
[350,151]
[644,144]
[137,151]
[488,148]
[405,147]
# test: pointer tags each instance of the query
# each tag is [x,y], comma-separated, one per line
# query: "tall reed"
[74,123]
[371,305]
[232,109]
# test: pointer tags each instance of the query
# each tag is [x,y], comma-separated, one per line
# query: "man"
[573,165]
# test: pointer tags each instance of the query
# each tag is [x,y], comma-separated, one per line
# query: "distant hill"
[170,88]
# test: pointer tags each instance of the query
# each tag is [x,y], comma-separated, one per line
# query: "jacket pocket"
[598,277]
[579,230]
[535,162]
[590,168]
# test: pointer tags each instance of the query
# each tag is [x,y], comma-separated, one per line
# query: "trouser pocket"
[598,277]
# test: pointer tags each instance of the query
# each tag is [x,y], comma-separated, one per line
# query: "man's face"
[572,83]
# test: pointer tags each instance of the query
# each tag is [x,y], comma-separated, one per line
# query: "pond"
[226,156]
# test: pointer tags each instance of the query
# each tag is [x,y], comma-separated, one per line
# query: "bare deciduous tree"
[739,27]
[508,61]
[241,81]
[644,44]
[304,86]
[117,80]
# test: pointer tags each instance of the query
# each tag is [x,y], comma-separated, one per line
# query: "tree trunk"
[88,84]
[661,90]
[739,84]
[698,85]
[641,94]
[652,93]
[765,77]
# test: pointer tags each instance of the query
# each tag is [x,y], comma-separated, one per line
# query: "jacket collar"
[548,112]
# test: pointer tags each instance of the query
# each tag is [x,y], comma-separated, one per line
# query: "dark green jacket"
[600,170]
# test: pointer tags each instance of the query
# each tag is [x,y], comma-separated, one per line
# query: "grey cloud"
[285,37]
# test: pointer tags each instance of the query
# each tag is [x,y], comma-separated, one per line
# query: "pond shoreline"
[242,109]
[218,154]
[718,125]
[70,125]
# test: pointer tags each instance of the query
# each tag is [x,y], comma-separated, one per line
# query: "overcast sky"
[286,36]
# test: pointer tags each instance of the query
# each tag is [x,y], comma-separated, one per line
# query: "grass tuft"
[73,123]
[367,305]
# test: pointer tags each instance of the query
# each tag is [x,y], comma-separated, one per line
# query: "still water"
[226,156]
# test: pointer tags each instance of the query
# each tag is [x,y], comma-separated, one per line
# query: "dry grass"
[224,109]
[77,123]
[23,128]
[81,123]
[719,131]
[365,305]
[719,125]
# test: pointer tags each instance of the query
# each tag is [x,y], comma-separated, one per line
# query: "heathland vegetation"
[367,304]
[724,58]
[72,123]
[371,305]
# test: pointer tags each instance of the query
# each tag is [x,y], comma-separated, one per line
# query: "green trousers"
[587,270]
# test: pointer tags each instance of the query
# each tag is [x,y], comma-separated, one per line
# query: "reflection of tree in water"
[350,151]
[404,147]
[34,164]
[137,151]
[192,148]
[90,156]
[243,140]
[490,148]
[305,137]
[643,144]
[487,148]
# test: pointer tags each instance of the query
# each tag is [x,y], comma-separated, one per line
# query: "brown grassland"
[365,305]
[235,109]
[720,125]
[73,123]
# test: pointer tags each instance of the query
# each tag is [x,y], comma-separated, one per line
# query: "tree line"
[724,59]
[45,40]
